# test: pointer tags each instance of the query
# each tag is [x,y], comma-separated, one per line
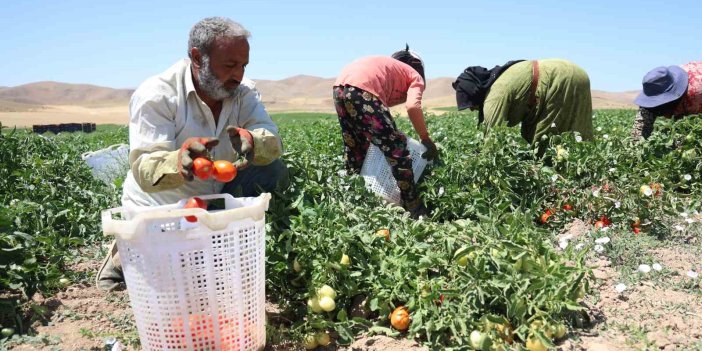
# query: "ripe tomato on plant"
[195,202]
[657,189]
[567,207]
[202,168]
[400,318]
[636,223]
[603,222]
[224,171]
[545,216]
[383,233]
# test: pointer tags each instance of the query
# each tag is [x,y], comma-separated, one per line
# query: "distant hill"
[56,93]
[55,102]
[308,93]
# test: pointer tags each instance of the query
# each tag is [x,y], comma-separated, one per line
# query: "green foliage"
[487,194]
[49,206]
[483,258]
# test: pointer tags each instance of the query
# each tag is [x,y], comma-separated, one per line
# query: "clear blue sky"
[120,43]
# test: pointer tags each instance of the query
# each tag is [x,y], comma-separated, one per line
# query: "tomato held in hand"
[202,168]
[224,171]
[400,318]
[195,202]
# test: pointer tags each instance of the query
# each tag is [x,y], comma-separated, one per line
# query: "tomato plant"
[484,249]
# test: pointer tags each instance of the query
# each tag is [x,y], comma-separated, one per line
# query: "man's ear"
[196,57]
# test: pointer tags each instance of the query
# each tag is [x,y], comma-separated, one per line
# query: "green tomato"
[345,260]
[559,331]
[534,344]
[462,261]
[7,332]
[480,341]
[296,266]
[64,281]
[426,290]
[313,304]
[310,342]
[323,339]
[326,290]
[690,155]
[327,303]
[495,253]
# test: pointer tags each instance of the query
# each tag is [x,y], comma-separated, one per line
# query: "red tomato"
[568,207]
[400,318]
[600,225]
[544,217]
[224,171]
[657,189]
[636,230]
[636,223]
[202,168]
[195,202]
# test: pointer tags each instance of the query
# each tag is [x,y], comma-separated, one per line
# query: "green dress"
[563,95]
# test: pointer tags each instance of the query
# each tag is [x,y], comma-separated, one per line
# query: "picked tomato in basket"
[222,171]
[194,202]
[202,331]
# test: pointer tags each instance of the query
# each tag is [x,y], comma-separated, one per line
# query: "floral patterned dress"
[364,119]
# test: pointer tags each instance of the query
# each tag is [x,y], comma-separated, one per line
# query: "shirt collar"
[189,85]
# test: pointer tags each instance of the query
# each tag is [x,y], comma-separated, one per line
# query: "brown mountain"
[55,102]
[308,93]
[56,93]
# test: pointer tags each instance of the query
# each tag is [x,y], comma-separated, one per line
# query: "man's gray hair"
[204,33]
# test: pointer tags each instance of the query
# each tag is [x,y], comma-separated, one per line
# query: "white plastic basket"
[109,163]
[378,175]
[195,286]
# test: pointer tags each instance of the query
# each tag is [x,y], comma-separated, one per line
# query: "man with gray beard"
[201,105]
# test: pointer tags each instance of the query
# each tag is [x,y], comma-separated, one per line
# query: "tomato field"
[508,260]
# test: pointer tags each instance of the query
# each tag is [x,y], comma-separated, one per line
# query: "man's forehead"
[227,43]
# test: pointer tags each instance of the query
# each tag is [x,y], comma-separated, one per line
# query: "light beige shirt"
[165,111]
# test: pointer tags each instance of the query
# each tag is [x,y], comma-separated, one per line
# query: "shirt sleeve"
[153,156]
[414,106]
[253,116]
[496,109]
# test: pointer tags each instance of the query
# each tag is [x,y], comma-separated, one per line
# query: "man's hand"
[193,148]
[243,144]
[431,152]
